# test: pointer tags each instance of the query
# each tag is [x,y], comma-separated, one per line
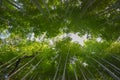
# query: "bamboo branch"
[18,63]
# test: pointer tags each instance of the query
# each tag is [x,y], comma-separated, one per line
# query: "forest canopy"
[59,39]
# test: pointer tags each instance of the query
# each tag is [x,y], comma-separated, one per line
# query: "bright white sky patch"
[4,34]
[85,64]
[74,37]
[99,39]
[31,36]
[77,38]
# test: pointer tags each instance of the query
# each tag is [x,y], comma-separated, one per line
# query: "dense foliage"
[35,41]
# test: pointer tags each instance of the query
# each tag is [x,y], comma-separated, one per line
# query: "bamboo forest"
[59,39]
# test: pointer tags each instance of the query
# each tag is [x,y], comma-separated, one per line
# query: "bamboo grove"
[36,41]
